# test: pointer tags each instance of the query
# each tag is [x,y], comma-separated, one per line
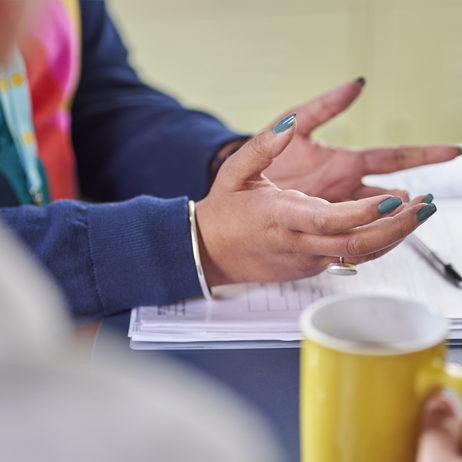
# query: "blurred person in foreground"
[76,121]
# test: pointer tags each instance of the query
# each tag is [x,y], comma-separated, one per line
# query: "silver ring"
[342,268]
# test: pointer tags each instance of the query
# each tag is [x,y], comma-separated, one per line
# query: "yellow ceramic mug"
[367,364]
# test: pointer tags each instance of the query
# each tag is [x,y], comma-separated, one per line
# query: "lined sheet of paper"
[270,311]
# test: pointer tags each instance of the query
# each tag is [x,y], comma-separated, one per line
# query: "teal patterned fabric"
[12,169]
[17,132]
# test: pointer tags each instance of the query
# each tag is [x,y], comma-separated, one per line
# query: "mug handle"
[452,378]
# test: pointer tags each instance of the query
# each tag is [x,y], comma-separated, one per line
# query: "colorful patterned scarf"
[52,57]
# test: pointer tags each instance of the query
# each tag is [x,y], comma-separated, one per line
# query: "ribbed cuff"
[141,253]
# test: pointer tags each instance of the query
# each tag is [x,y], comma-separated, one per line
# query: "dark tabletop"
[269,379]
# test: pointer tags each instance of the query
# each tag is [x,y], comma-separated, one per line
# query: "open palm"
[335,173]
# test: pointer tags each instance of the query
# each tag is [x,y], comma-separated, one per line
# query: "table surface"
[268,379]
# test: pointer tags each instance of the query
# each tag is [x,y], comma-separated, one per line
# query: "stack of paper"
[244,312]
[267,314]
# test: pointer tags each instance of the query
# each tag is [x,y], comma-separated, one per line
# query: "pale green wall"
[247,61]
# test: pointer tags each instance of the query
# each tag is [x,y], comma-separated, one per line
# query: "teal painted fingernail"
[285,123]
[390,204]
[428,199]
[426,212]
[361,80]
[460,150]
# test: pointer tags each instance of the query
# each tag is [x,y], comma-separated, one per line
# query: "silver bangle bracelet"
[195,247]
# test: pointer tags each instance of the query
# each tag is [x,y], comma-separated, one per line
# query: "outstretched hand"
[251,230]
[335,173]
[440,432]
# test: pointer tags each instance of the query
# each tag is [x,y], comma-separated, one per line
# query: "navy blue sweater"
[140,155]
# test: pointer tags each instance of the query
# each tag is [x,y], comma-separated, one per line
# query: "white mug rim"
[311,332]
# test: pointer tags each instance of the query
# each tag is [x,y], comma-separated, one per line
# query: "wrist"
[213,274]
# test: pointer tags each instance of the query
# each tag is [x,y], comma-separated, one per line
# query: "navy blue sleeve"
[111,257]
[130,139]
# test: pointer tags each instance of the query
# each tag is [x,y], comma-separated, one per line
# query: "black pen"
[445,268]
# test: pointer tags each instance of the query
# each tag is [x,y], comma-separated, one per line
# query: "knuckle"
[296,244]
[426,156]
[323,223]
[357,245]
[258,145]
[307,266]
[373,256]
[324,111]
[402,232]
[301,260]
[401,158]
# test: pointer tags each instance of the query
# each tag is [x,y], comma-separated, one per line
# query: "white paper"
[442,180]
[255,345]
[252,312]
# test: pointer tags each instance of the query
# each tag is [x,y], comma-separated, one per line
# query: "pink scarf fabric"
[52,56]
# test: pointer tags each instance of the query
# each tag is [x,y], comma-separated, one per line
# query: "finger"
[257,154]
[439,438]
[318,111]
[388,160]
[417,200]
[369,191]
[375,236]
[364,258]
[381,253]
[326,218]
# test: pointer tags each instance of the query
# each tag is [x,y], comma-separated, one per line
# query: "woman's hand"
[440,432]
[253,231]
[335,173]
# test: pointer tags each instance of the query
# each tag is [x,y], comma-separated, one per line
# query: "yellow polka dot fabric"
[4,85]
[17,79]
[28,138]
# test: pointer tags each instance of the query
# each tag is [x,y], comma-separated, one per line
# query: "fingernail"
[390,204]
[460,150]
[436,404]
[436,410]
[426,212]
[285,123]
[361,80]
[428,199]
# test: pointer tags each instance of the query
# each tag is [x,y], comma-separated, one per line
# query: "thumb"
[318,111]
[257,154]
[440,431]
